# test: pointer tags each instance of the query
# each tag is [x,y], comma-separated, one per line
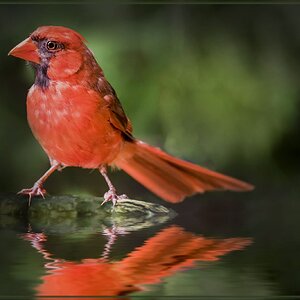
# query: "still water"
[219,244]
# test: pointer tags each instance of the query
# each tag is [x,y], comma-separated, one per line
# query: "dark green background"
[214,84]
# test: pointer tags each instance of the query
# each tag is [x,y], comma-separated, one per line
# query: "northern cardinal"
[76,116]
[171,250]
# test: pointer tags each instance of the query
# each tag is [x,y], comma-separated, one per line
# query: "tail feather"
[169,177]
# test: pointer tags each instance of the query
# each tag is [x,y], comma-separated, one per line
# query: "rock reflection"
[169,251]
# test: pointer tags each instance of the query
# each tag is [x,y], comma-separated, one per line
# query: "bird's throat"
[41,77]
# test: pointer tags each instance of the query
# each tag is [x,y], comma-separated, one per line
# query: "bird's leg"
[53,162]
[112,235]
[111,194]
[37,189]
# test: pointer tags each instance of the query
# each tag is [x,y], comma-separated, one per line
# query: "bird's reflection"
[169,251]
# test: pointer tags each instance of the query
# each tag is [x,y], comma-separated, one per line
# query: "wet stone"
[67,213]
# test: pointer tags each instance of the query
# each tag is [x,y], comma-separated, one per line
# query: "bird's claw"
[36,190]
[112,196]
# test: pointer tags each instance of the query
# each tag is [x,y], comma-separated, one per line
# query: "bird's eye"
[52,46]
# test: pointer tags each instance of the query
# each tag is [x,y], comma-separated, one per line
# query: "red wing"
[118,117]
[172,250]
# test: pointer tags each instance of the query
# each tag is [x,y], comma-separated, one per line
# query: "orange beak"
[26,50]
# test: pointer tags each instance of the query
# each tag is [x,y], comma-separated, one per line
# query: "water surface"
[220,244]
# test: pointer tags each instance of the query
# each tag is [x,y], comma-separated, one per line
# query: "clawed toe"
[36,190]
[113,197]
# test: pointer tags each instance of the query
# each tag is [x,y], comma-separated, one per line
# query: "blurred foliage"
[214,84]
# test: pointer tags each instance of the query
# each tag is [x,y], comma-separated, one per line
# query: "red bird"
[76,116]
[171,250]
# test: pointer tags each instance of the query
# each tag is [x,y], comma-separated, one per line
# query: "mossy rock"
[69,213]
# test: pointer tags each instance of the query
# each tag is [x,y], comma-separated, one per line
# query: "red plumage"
[77,118]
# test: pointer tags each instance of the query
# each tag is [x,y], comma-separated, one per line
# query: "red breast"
[71,123]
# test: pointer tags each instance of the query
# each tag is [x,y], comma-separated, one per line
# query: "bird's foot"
[112,234]
[112,196]
[36,190]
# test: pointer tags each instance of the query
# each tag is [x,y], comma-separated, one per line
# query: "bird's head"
[58,52]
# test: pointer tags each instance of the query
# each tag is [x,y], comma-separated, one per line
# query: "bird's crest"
[60,33]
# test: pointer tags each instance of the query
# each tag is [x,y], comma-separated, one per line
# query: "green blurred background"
[214,84]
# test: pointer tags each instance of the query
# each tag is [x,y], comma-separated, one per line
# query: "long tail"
[169,177]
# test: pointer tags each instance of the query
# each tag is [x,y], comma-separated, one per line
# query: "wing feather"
[118,117]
